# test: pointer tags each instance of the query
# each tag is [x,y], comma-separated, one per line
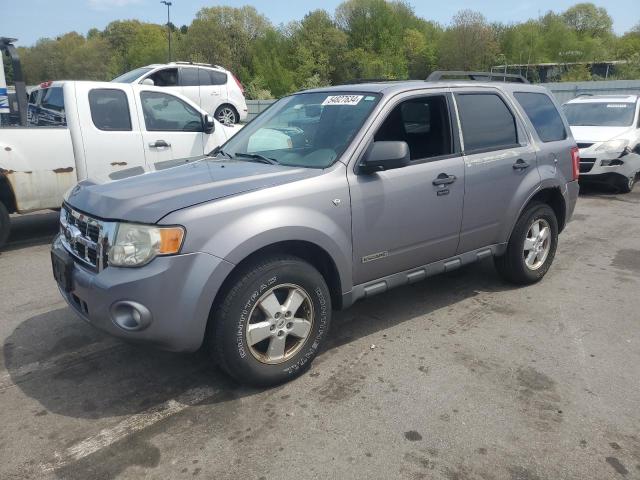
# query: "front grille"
[584,145]
[86,238]
[586,164]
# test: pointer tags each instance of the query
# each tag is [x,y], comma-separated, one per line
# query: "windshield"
[600,114]
[132,76]
[304,130]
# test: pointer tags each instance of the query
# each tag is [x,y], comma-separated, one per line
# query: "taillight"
[575,161]
[238,83]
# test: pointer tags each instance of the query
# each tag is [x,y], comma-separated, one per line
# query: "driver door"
[172,130]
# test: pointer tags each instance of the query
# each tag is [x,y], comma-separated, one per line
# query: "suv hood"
[597,134]
[149,197]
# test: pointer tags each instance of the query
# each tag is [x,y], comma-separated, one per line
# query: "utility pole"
[168,4]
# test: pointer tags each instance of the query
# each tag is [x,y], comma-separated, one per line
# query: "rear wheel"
[532,246]
[5,225]
[271,321]
[227,115]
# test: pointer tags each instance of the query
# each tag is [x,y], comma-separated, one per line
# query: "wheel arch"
[552,196]
[7,196]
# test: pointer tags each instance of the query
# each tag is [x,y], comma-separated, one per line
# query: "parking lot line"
[128,426]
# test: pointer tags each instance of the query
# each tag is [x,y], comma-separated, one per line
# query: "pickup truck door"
[111,139]
[172,128]
[410,216]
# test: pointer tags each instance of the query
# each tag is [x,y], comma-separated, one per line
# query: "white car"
[607,130]
[111,131]
[215,89]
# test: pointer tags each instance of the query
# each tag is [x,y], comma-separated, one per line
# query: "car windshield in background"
[600,114]
[304,130]
[131,76]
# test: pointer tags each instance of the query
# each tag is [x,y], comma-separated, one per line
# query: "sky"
[29,20]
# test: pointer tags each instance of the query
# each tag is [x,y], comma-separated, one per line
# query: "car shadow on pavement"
[71,369]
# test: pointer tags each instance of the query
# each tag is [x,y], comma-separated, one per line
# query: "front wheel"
[625,185]
[532,246]
[271,321]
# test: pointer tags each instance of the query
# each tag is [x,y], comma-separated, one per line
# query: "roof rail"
[479,76]
[196,63]
[356,81]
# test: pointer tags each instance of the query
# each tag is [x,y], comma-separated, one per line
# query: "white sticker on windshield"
[617,105]
[342,100]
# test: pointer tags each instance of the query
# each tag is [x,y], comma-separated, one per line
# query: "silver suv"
[330,196]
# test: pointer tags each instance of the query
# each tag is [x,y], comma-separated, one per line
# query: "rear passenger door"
[552,138]
[500,166]
[213,89]
[190,83]
[110,132]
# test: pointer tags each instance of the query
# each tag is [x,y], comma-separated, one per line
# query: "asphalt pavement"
[459,377]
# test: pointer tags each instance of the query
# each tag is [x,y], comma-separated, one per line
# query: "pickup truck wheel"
[532,246]
[271,321]
[5,225]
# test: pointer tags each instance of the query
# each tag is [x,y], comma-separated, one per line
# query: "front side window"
[600,114]
[487,123]
[304,130]
[421,122]
[131,76]
[189,77]
[166,113]
[110,110]
[543,115]
[166,77]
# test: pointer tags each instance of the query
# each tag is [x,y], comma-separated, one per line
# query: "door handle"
[520,165]
[444,179]
[159,144]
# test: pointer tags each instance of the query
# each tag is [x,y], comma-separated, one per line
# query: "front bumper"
[591,164]
[178,292]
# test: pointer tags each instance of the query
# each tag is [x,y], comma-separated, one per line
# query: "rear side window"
[543,115]
[53,99]
[212,77]
[487,123]
[189,77]
[110,110]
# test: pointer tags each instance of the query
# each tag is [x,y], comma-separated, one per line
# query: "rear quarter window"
[487,123]
[543,115]
[110,110]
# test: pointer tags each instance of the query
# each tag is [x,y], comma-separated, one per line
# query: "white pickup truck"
[111,131]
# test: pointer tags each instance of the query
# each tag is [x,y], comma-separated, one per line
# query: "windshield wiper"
[217,151]
[258,158]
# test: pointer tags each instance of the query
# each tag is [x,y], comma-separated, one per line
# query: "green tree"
[587,19]
[469,43]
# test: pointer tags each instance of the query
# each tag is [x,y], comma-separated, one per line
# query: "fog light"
[611,163]
[130,316]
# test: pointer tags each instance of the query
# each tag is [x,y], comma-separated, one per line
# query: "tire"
[516,265]
[244,303]
[227,114]
[5,225]
[625,185]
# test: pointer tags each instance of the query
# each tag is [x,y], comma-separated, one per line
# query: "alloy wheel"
[279,323]
[537,244]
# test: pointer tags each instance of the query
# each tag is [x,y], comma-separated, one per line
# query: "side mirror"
[148,81]
[385,156]
[208,123]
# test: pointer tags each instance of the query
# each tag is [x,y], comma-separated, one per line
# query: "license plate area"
[62,265]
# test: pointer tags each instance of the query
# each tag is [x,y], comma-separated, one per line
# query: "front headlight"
[613,145]
[136,245]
